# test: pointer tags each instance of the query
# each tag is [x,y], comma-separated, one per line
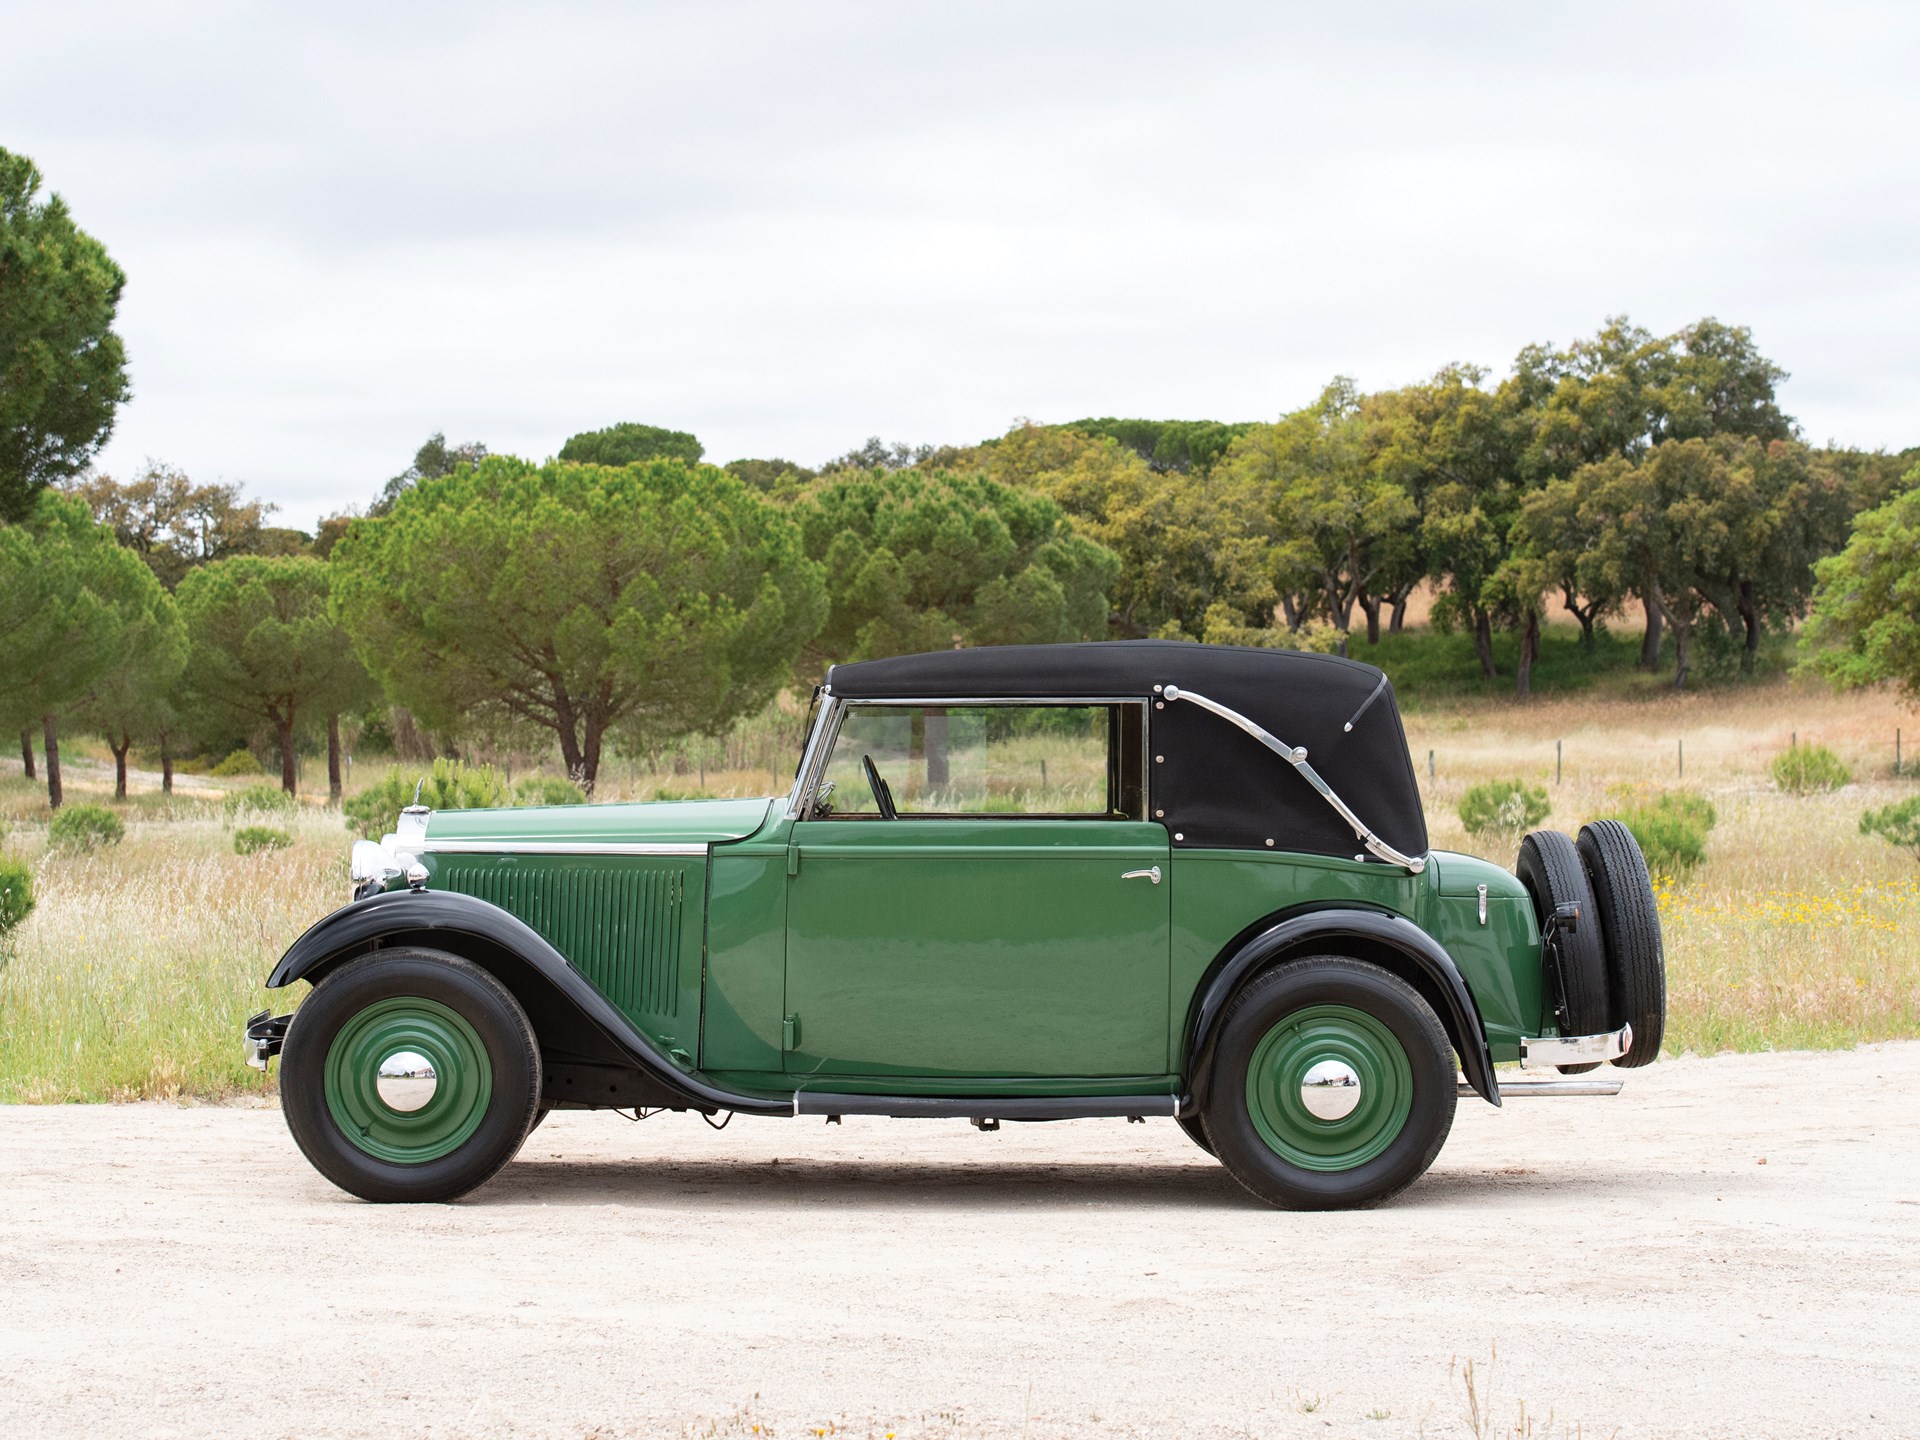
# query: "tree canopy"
[62,368]
[174,524]
[629,443]
[927,561]
[1866,609]
[265,649]
[647,602]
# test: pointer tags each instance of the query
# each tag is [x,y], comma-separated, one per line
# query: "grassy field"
[132,976]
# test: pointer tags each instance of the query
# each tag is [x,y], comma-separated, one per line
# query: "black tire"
[1630,925]
[491,1016]
[1196,1129]
[1257,1017]
[1550,868]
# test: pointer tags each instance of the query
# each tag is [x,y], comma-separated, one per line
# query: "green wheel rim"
[445,1122]
[1293,1047]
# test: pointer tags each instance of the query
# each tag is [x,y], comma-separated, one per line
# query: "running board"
[963,1107]
[1519,1089]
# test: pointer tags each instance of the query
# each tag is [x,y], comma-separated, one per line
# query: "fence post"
[1556,762]
[1896,750]
[1429,767]
[1680,750]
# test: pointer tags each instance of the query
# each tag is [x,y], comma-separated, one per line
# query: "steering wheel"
[882,792]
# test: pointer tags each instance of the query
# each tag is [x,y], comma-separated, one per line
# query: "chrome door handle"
[1153,875]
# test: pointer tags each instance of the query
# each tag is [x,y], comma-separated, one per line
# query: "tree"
[434,460]
[1625,392]
[1340,528]
[174,524]
[1560,534]
[62,368]
[65,590]
[1451,446]
[132,699]
[651,601]
[929,561]
[1865,621]
[629,444]
[264,647]
[1180,446]
[1186,543]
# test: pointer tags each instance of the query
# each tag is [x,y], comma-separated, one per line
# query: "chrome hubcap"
[1330,1090]
[406,1081]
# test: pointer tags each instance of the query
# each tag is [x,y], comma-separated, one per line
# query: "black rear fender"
[1390,941]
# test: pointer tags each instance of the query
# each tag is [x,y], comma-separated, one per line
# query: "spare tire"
[1630,926]
[1550,868]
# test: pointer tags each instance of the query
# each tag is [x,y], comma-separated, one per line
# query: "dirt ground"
[1730,1248]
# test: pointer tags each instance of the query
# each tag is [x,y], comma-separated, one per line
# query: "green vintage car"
[1026,883]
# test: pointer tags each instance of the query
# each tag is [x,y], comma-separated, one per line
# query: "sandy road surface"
[180,1271]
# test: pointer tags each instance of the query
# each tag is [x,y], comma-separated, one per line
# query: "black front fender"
[439,917]
[1368,934]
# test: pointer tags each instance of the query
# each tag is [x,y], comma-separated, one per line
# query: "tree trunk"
[1370,606]
[1650,638]
[289,777]
[1290,607]
[1529,652]
[166,763]
[334,787]
[50,729]
[1750,617]
[26,752]
[1483,642]
[120,765]
[590,758]
[1682,633]
[1399,621]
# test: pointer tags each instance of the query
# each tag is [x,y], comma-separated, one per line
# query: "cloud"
[788,227]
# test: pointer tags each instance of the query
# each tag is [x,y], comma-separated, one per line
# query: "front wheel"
[1333,1085]
[410,1075]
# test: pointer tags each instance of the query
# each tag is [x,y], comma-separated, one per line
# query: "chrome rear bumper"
[1537,1053]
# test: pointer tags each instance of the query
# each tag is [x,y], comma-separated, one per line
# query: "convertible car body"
[1130,879]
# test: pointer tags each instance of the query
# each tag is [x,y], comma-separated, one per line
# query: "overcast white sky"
[789,226]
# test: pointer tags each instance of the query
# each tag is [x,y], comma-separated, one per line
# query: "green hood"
[669,822]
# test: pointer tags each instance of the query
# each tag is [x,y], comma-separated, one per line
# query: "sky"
[787,227]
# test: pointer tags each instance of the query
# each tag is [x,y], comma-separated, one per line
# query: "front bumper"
[266,1032]
[1538,1053]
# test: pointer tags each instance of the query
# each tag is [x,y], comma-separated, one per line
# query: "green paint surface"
[675,822]
[977,946]
[459,1060]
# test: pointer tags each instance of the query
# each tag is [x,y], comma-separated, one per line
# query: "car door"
[1010,919]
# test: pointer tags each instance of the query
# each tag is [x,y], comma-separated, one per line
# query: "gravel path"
[1731,1248]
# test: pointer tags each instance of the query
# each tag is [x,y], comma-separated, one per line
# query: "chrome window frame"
[833,712]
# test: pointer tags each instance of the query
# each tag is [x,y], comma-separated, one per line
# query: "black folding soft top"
[1217,785]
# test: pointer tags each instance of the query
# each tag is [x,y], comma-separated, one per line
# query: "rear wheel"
[1550,868]
[410,1075]
[1333,1085]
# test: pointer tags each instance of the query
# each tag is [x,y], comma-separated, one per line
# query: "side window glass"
[1040,760]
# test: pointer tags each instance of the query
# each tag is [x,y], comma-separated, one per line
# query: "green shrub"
[1808,768]
[16,894]
[1671,829]
[1503,807]
[449,785]
[668,794]
[547,790]
[249,839]
[240,762]
[85,827]
[1897,824]
[258,799]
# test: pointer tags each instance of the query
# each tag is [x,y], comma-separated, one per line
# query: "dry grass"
[132,976]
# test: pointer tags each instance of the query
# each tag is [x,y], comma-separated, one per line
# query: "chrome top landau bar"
[1296,756]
